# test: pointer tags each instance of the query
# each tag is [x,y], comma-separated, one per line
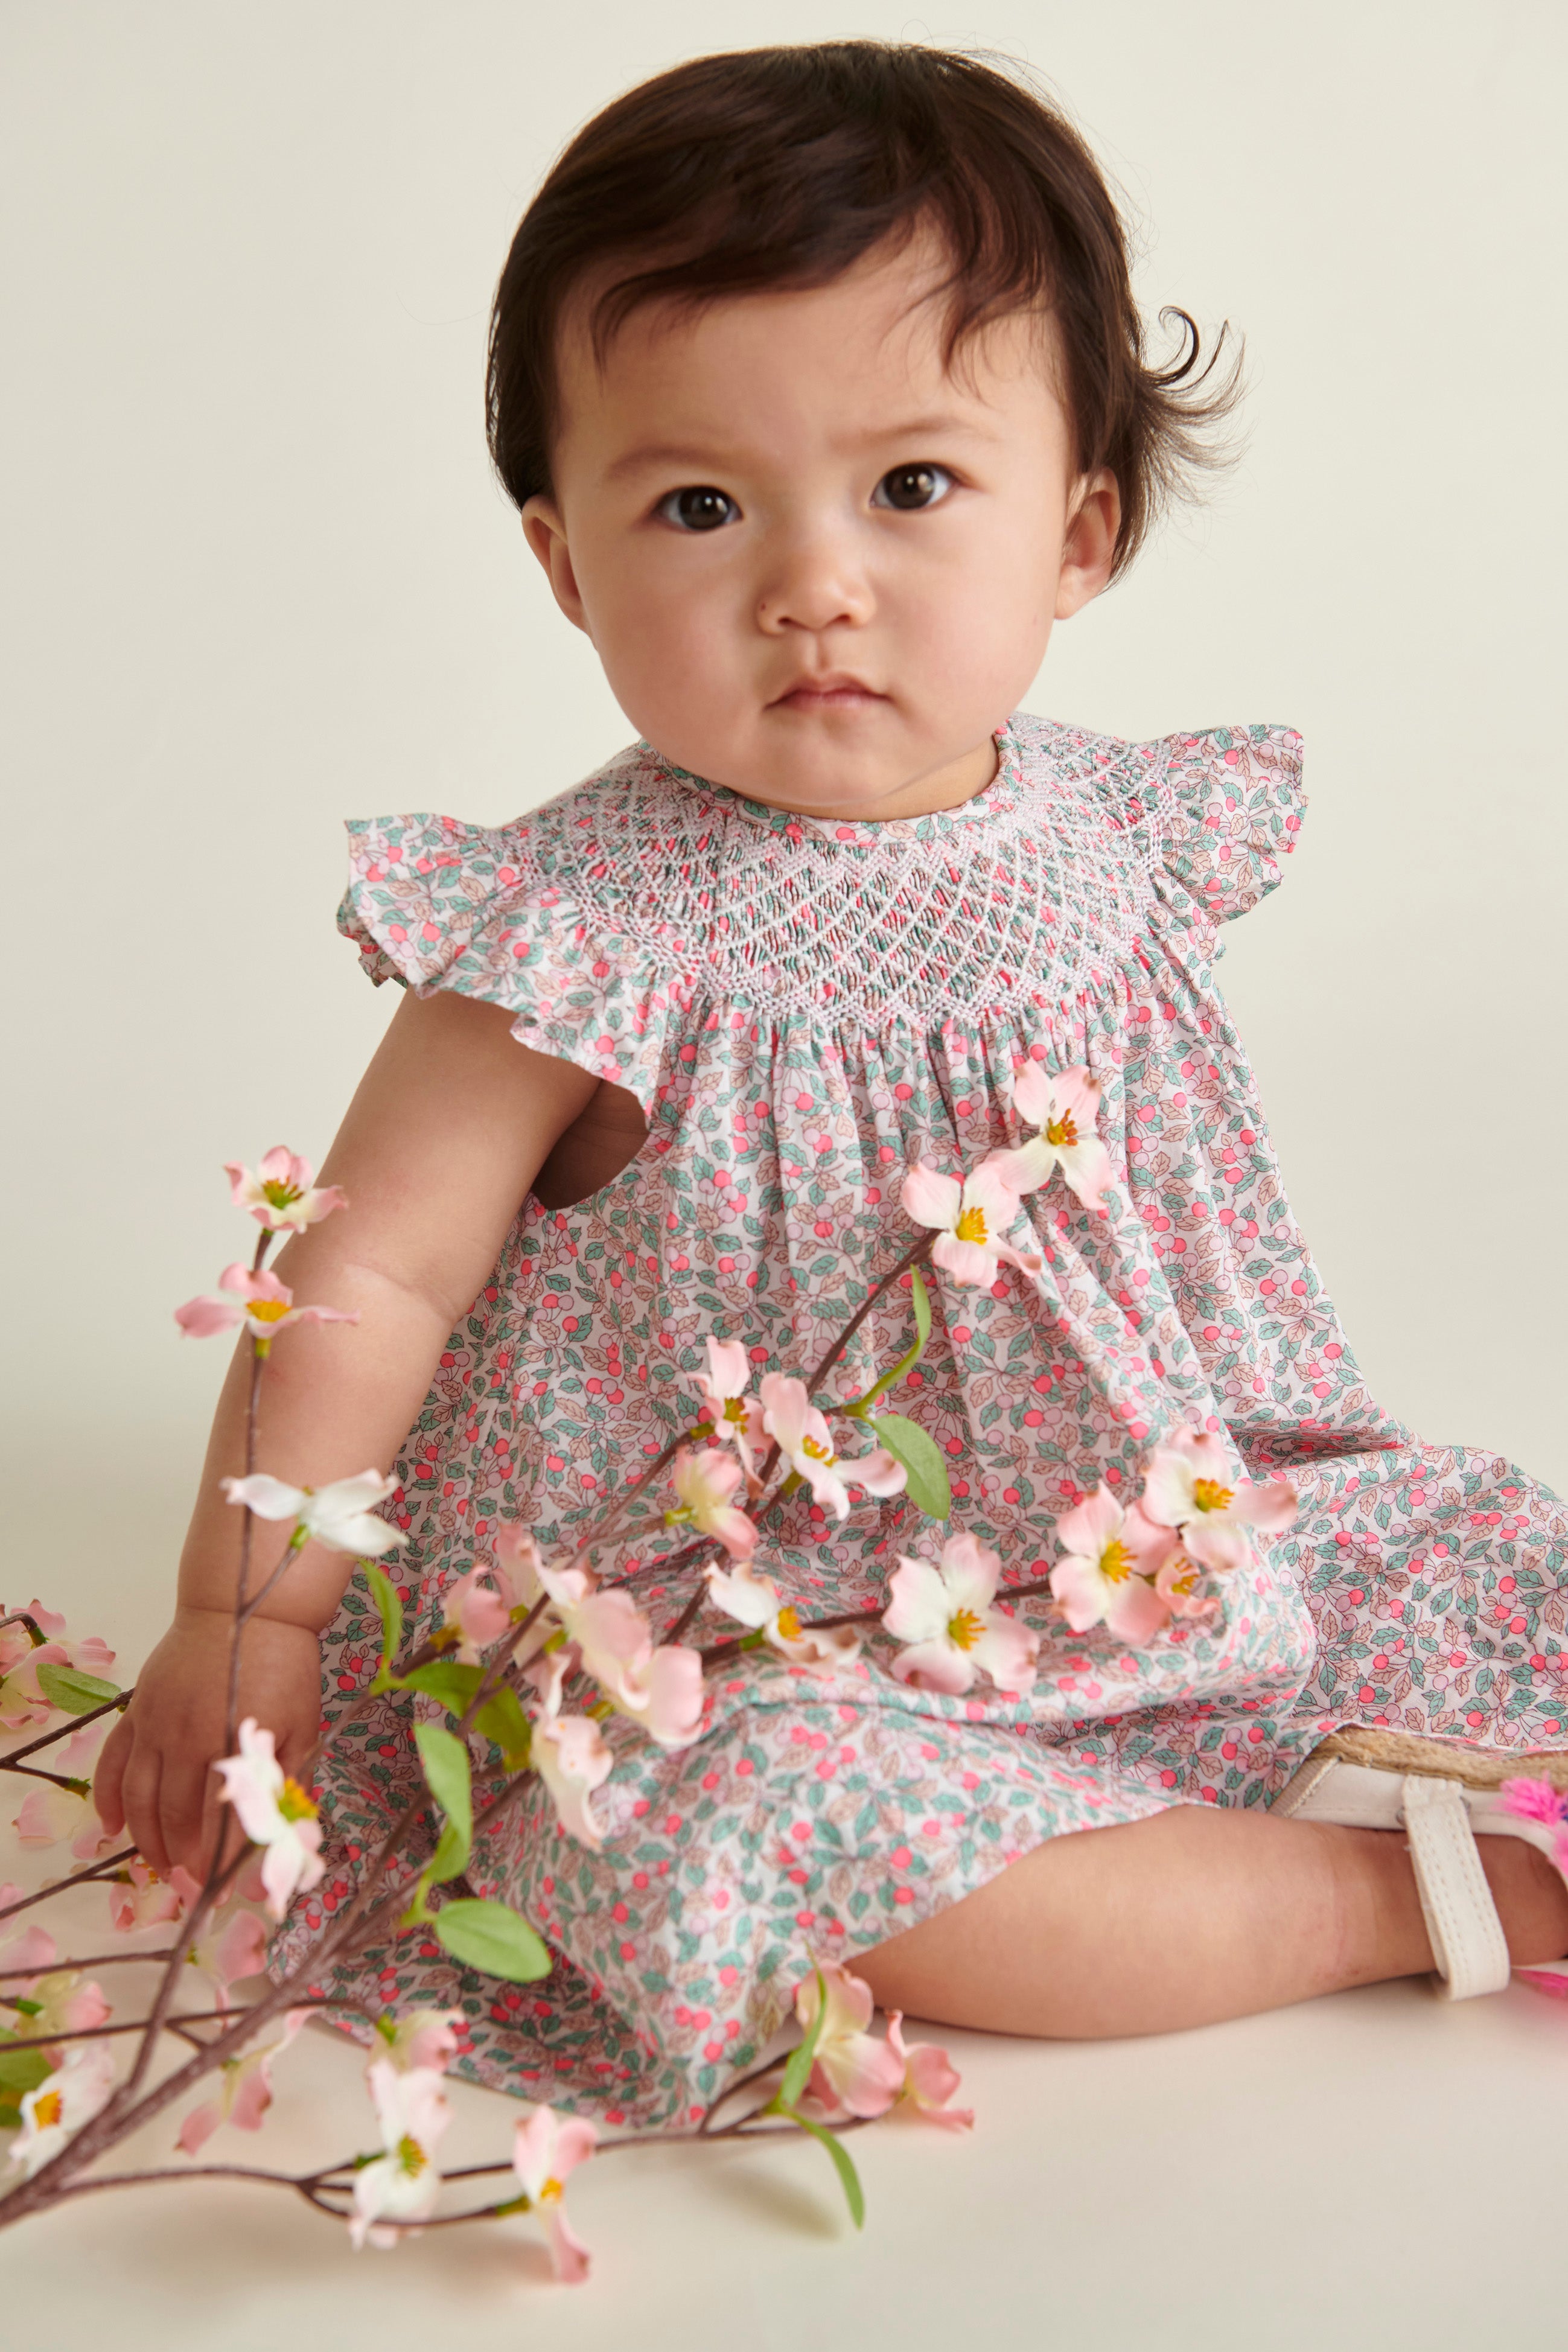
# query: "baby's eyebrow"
[648,455]
[661,453]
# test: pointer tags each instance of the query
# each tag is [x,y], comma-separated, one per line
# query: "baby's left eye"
[908,487]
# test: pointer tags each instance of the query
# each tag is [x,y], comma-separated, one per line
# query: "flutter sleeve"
[434,904]
[1235,802]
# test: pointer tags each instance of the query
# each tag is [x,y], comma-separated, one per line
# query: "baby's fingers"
[108,1781]
[139,1795]
[180,1813]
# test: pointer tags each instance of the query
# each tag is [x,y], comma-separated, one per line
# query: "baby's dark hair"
[764,168]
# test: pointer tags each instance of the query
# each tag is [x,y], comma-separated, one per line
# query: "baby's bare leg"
[1191,1916]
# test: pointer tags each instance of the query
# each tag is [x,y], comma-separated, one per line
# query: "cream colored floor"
[1373,2171]
[264,580]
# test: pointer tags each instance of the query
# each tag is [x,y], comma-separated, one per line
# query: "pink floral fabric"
[803,1009]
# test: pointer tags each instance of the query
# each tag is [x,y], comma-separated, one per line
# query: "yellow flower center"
[47,2111]
[552,2193]
[971,1226]
[1115,1562]
[411,2158]
[280,1196]
[1186,1583]
[1061,1133]
[817,1452]
[267,1310]
[1208,1494]
[964,1629]
[294,1804]
[788,1623]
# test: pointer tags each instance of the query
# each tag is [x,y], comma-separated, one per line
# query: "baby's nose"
[814,584]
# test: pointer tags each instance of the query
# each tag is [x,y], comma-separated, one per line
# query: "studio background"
[258,578]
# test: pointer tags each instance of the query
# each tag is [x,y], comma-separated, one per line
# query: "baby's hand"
[154,1777]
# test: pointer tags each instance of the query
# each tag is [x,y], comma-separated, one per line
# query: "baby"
[817,377]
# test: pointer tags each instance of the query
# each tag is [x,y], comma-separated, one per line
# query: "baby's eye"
[700,509]
[908,487]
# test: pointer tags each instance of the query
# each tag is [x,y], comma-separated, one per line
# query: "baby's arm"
[451,1124]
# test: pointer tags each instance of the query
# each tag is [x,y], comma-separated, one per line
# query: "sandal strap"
[1467,1941]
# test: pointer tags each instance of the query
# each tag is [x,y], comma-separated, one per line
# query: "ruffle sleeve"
[1236,805]
[435,904]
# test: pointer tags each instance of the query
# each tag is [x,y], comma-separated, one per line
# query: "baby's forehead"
[879,334]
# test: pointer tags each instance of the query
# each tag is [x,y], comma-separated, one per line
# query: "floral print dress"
[802,1008]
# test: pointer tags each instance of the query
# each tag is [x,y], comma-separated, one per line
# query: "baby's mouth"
[833,692]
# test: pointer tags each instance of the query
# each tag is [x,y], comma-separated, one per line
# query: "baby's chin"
[857,756]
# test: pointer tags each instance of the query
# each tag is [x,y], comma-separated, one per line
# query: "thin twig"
[77,1786]
[95,1870]
[72,1723]
[179,2018]
[93,1960]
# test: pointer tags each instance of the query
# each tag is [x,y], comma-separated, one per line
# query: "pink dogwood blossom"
[852,2072]
[972,1217]
[279,1194]
[231,1946]
[476,1612]
[339,1516]
[1546,1980]
[259,1300]
[806,1443]
[942,1610]
[30,1949]
[66,2003]
[420,2041]
[1110,1557]
[1536,1800]
[659,1686]
[244,2090]
[49,1816]
[930,2079]
[1178,1585]
[143,1898]
[22,1700]
[546,2150]
[1191,1485]
[65,2100]
[403,2185]
[572,1759]
[1063,1105]
[737,1418]
[276,1814]
[706,1483]
[756,1600]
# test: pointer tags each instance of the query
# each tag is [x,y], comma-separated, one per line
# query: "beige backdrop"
[259,578]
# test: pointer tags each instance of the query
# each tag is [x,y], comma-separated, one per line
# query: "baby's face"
[818,566]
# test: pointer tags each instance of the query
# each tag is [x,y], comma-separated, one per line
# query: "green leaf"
[849,2179]
[22,2071]
[384,1594]
[449,1860]
[445,1762]
[906,1363]
[453,1685]
[502,1718]
[490,1937]
[908,1444]
[76,1693]
[798,2073]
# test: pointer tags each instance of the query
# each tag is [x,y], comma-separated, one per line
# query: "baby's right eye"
[700,509]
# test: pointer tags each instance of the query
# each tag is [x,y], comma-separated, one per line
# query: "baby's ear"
[1090,548]
[547,534]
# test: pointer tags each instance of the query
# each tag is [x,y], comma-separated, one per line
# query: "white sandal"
[1441,1797]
